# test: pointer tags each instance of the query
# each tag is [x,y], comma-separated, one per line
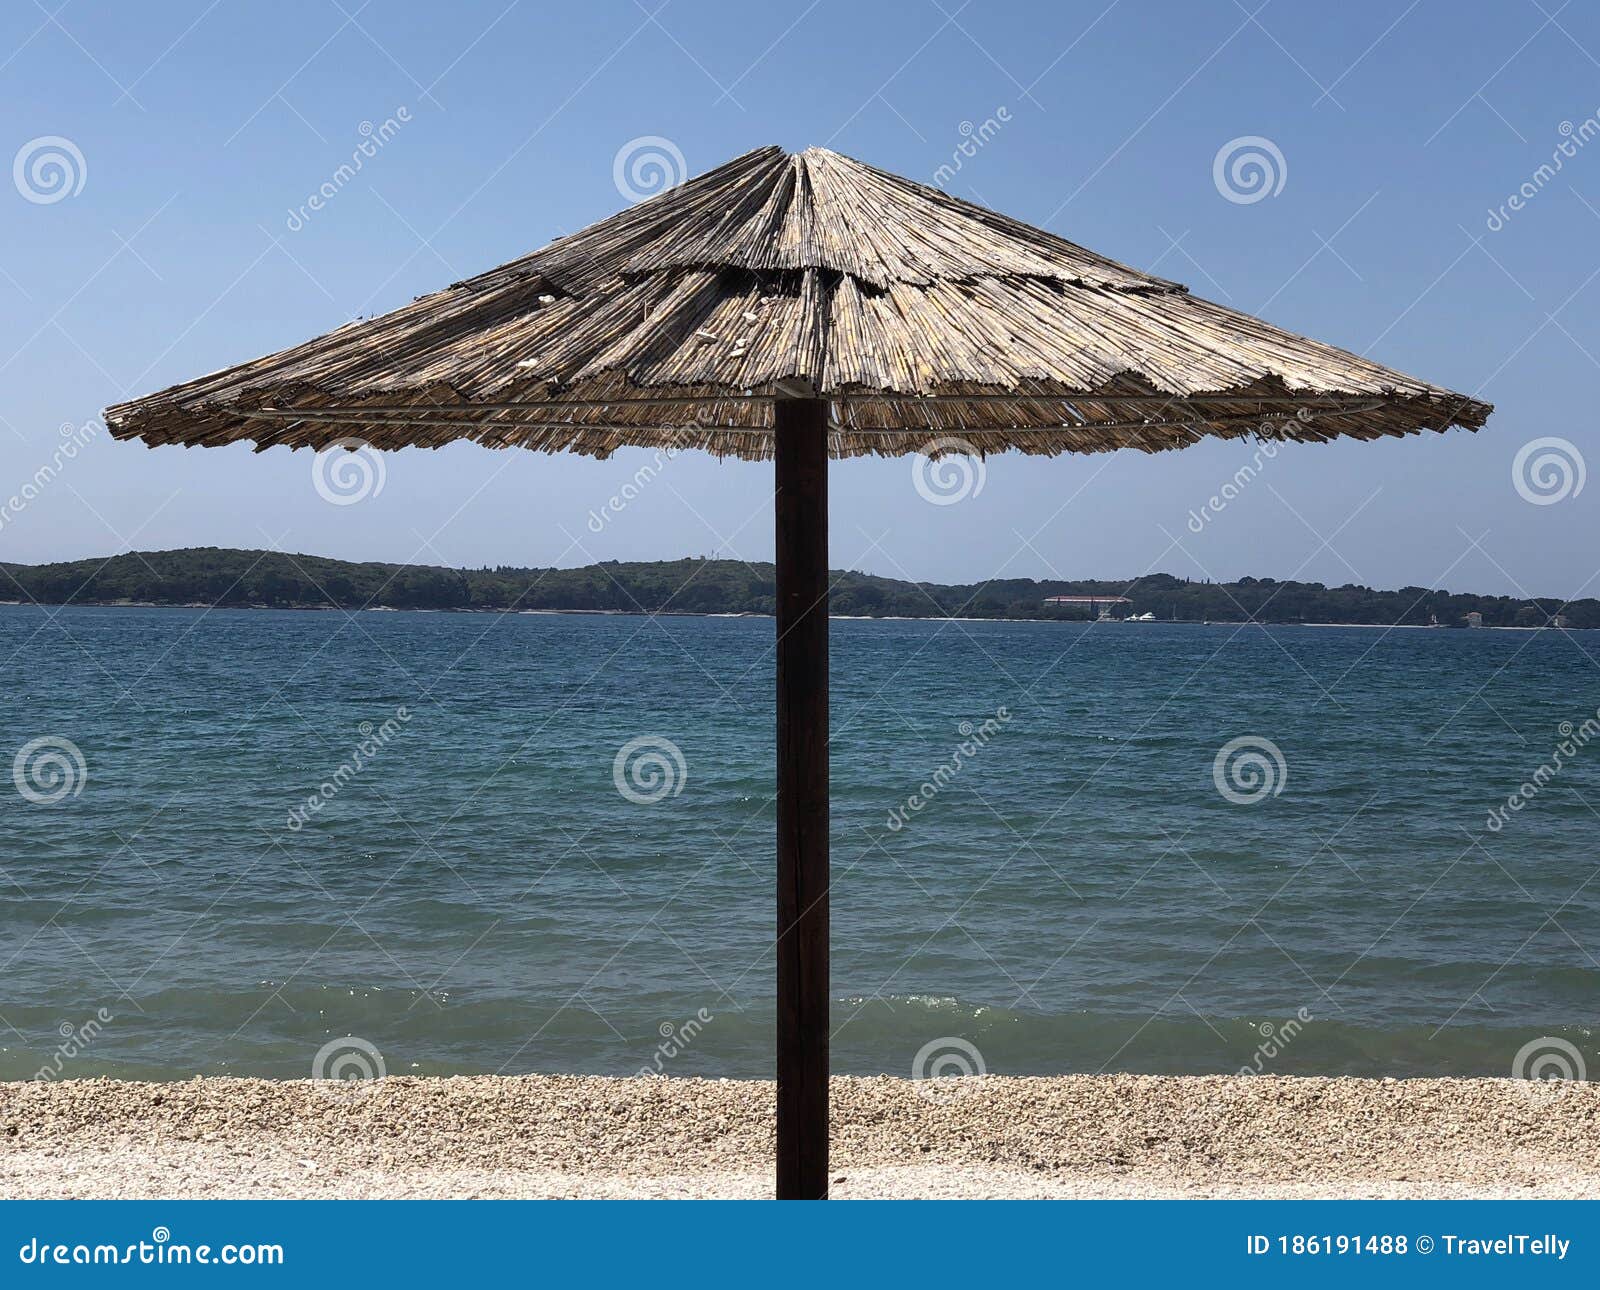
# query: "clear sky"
[174,238]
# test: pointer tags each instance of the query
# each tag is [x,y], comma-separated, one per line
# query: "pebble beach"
[535,1136]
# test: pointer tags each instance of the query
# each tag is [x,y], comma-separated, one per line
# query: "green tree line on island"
[268,579]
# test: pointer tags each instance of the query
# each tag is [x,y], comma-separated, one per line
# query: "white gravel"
[547,1136]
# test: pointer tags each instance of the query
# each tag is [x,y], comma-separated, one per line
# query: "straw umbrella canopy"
[800,307]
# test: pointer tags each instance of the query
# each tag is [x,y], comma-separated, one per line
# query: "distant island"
[213,576]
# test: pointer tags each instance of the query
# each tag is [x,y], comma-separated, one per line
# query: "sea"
[278,843]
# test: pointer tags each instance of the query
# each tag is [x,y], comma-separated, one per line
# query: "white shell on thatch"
[677,321]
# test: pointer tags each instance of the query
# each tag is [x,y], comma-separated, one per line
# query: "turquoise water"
[1078,895]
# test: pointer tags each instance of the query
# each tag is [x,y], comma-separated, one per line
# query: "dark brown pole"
[801,502]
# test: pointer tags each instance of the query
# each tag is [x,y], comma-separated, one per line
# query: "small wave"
[929,1002]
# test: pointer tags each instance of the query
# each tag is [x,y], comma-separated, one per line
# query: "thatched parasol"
[799,307]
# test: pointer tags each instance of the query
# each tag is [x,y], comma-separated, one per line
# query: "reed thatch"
[675,322]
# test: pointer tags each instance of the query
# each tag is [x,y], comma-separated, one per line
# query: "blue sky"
[197,129]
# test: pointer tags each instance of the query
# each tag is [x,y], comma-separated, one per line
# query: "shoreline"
[1082,1136]
[751,613]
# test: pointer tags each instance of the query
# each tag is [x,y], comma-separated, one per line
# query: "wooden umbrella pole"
[801,502]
